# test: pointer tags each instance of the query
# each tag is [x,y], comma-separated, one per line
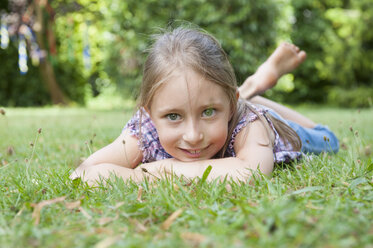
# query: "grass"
[322,202]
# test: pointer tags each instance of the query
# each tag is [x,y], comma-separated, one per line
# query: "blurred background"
[90,53]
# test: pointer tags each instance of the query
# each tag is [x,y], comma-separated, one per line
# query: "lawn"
[325,201]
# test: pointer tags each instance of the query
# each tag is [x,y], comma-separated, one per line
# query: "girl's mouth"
[193,153]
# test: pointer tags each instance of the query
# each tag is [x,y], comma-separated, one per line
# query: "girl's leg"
[285,112]
[315,138]
[283,60]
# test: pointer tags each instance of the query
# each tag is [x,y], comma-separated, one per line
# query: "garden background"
[114,35]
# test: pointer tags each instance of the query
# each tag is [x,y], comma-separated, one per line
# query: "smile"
[194,153]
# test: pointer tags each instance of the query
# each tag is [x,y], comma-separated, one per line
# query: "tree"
[26,20]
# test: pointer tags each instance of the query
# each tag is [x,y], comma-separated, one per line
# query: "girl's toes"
[302,55]
[284,44]
[293,47]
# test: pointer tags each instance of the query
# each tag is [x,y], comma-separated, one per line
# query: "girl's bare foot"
[283,60]
[286,58]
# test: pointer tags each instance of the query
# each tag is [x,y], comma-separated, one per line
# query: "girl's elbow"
[267,168]
[263,167]
[89,174]
[81,170]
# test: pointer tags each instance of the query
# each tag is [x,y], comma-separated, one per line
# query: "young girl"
[192,115]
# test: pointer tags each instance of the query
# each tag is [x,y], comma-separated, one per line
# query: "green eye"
[173,117]
[208,112]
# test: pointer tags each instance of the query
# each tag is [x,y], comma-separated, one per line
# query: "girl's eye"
[173,117]
[208,112]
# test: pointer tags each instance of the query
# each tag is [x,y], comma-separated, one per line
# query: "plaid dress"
[152,149]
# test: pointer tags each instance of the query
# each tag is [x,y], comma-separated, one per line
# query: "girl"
[191,116]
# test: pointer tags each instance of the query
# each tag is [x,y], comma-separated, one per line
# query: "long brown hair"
[195,49]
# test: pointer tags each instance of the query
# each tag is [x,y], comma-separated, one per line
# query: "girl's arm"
[122,152]
[103,171]
[253,148]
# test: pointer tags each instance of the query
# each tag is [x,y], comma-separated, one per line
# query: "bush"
[17,89]
[361,97]
[29,89]
[336,35]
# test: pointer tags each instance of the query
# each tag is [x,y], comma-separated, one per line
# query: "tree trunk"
[46,68]
[49,78]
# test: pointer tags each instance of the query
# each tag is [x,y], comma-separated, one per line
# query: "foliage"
[30,89]
[334,33]
[356,97]
[245,29]
[71,80]
[17,89]
[336,36]
[322,202]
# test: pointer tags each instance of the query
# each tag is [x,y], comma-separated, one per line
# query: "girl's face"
[191,116]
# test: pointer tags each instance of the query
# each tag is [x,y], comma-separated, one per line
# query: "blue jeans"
[314,140]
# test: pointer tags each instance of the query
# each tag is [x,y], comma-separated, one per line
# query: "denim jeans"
[314,140]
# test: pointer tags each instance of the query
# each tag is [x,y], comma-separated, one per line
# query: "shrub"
[361,97]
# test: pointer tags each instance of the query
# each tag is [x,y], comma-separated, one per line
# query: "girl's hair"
[186,48]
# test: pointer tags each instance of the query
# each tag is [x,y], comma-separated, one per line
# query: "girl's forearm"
[233,168]
[96,173]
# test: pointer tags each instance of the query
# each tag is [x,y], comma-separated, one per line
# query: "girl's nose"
[192,134]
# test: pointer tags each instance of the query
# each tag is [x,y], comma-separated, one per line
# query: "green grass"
[323,202]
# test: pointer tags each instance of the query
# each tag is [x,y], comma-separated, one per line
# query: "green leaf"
[369,168]
[206,174]
[306,189]
[357,181]
[77,182]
